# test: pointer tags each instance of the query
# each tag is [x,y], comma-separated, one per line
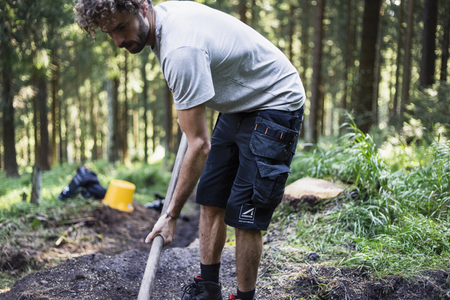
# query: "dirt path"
[111,267]
[118,277]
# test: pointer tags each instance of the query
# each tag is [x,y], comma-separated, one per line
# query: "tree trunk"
[37,147]
[27,132]
[292,21]
[347,60]
[125,122]
[62,142]
[428,62]
[254,8]
[93,118]
[153,104]
[168,141]
[363,112]
[135,112]
[112,119]
[445,44]
[321,109]
[395,102]
[305,42]
[55,109]
[44,157]
[67,132]
[407,63]
[316,81]
[145,105]
[354,53]
[82,124]
[377,68]
[243,11]
[36,188]
[9,134]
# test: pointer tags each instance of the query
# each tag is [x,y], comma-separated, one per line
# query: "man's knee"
[245,234]
[212,212]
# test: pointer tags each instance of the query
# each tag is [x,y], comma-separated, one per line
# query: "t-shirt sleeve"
[188,73]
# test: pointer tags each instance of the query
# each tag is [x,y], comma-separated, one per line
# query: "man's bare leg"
[213,234]
[249,247]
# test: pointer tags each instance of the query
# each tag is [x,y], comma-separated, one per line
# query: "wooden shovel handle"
[158,242]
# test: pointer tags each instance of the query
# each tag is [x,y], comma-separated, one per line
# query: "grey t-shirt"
[211,57]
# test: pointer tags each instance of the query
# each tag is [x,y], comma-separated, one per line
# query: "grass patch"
[397,224]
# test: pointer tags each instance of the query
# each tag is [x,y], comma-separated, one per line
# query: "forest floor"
[104,257]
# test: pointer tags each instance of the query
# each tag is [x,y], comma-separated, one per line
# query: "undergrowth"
[394,220]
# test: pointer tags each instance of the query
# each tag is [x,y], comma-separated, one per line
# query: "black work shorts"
[248,165]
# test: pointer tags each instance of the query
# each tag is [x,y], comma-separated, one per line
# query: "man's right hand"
[164,227]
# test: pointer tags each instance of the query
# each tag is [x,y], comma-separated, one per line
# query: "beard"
[143,36]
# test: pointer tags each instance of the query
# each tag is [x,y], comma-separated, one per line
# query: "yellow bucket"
[120,195]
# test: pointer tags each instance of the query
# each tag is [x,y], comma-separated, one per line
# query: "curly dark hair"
[89,12]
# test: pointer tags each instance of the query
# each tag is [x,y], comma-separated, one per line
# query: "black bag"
[86,182]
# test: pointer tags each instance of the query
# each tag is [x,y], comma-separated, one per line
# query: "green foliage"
[147,178]
[429,113]
[399,220]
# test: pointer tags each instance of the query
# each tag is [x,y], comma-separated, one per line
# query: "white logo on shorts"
[247,214]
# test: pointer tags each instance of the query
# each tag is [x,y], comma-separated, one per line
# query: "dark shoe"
[202,290]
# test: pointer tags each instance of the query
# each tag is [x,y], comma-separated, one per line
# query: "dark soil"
[112,258]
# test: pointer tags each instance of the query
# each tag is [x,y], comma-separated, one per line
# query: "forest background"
[67,98]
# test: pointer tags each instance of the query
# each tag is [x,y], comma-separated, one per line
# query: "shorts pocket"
[270,181]
[272,144]
[271,140]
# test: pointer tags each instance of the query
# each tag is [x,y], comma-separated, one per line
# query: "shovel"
[158,242]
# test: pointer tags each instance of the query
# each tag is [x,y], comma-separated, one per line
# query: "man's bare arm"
[193,124]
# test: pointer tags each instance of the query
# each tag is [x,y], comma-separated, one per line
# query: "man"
[211,59]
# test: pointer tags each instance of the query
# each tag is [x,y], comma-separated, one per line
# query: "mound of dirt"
[101,230]
[98,276]
[104,257]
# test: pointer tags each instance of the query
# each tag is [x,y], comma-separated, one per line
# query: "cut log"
[318,188]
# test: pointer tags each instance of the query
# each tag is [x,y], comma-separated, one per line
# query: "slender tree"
[292,23]
[316,82]
[378,60]
[124,121]
[93,108]
[347,60]
[153,106]
[9,143]
[168,141]
[428,62]
[395,101]
[8,57]
[408,56]
[445,43]
[45,154]
[363,107]
[255,11]
[111,87]
[145,103]
[62,141]
[305,41]
[243,11]
[54,108]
